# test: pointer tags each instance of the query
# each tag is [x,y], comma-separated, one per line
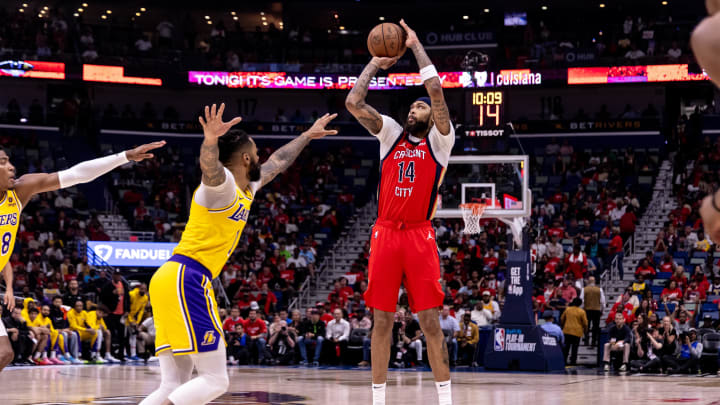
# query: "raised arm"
[35,183]
[284,157]
[213,172]
[366,115]
[431,80]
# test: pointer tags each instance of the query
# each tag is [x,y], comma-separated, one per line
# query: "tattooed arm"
[366,115]
[213,172]
[441,115]
[284,157]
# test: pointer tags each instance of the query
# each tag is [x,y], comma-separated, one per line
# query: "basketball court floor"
[124,385]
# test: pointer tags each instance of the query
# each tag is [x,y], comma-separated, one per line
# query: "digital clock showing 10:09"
[491,106]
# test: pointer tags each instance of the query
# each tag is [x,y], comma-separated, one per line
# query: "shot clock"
[489,109]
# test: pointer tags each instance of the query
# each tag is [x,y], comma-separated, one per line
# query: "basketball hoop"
[472,213]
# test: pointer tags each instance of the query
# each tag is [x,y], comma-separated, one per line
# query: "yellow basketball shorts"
[184,308]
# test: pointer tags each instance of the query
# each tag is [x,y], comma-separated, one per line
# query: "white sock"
[53,354]
[444,390]
[36,356]
[378,391]
[133,345]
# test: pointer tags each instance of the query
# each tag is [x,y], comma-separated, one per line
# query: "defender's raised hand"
[318,130]
[141,152]
[213,125]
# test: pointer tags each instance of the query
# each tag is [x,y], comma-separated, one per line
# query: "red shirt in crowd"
[288,275]
[559,232]
[682,281]
[254,328]
[326,318]
[616,245]
[229,324]
[490,261]
[666,267]
[645,270]
[627,311]
[627,222]
[673,295]
[576,265]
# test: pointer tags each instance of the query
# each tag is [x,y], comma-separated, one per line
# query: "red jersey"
[229,324]
[411,171]
[254,328]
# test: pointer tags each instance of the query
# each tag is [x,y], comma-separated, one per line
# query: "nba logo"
[499,339]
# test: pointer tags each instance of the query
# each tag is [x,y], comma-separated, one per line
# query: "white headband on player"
[428,72]
[88,171]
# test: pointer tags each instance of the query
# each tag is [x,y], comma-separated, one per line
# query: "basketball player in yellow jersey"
[188,329]
[15,194]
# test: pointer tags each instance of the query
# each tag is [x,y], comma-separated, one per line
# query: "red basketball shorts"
[403,254]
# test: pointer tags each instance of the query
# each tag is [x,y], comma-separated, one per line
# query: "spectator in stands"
[576,265]
[681,281]
[63,200]
[238,343]
[648,345]
[412,336]
[634,53]
[646,269]
[575,326]
[311,331]
[683,321]
[593,298]
[298,260]
[669,339]
[668,264]
[695,294]
[232,320]
[450,327]
[615,251]
[467,337]
[21,338]
[115,295]
[337,335]
[554,248]
[640,285]
[256,329]
[490,305]
[688,358]
[671,293]
[481,316]
[551,328]
[620,337]
[282,341]
[567,291]
[628,222]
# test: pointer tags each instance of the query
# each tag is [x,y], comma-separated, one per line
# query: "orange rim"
[477,208]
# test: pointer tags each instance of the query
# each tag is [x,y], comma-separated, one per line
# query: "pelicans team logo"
[15,68]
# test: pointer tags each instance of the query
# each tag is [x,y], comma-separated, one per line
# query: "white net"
[471,216]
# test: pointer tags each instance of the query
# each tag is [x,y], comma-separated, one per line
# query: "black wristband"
[714,204]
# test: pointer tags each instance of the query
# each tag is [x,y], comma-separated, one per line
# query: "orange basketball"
[386,40]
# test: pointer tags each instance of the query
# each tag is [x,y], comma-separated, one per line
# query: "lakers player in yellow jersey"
[16,193]
[187,326]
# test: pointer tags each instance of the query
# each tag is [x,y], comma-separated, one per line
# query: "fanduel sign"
[124,254]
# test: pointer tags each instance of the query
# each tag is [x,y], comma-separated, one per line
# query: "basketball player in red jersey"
[402,245]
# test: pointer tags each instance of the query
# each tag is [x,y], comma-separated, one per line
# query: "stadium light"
[264,18]
[262,13]
[544,7]
[108,12]
[487,10]
[264,22]
[143,9]
[207,17]
[235,18]
[382,18]
[664,3]
[602,5]
[21,10]
[46,8]
[465,17]
[104,17]
[209,22]
[232,13]
[80,10]
[342,27]
[76,15]
[336,16]
[84,4]
[24,4]
[137,14]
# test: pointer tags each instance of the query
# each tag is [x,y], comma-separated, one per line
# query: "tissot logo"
[229,398]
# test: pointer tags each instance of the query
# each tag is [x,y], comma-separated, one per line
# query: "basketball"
[386,40]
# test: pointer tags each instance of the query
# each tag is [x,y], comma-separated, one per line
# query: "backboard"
[499,181]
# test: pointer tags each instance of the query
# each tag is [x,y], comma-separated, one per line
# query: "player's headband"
[425,100]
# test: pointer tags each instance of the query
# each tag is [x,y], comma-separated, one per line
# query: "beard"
[254,171]
[417,128]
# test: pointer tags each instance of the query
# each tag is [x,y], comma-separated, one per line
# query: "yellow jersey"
[137,306]
[211,235]
[10,208]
